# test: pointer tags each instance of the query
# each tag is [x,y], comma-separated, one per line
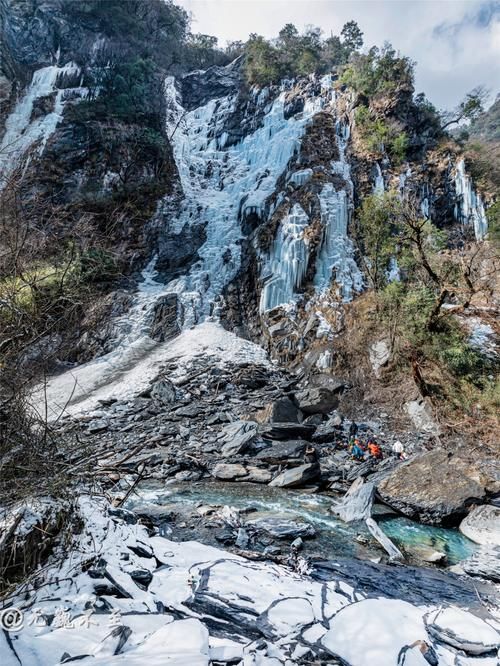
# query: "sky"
[456,43]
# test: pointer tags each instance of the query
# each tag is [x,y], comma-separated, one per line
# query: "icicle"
[469,208]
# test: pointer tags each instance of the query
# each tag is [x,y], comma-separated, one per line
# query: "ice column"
[379,186]
[336,256]
[469,208]
[287,264]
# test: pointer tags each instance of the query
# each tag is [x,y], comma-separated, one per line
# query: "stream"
[334,538]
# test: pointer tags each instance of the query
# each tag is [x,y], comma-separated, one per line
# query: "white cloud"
[456,43]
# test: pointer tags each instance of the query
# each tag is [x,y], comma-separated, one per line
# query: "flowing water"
[334,537]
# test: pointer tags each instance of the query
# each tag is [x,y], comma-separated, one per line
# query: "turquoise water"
[334,537]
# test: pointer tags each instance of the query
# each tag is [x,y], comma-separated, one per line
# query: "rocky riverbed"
[212,533]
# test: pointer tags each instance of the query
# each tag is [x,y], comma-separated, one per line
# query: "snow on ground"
[123,597]
[128,370]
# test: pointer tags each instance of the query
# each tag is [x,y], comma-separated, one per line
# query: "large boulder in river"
[282,527]
[438,487]
[228,472]
[482,525]
[297,476]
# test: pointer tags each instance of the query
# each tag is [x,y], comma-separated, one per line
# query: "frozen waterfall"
[469,208]
[336,256]
[379,185]
[22,129]
[287,264]
[221,185]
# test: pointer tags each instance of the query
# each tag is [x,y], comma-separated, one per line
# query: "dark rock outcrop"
[438,487]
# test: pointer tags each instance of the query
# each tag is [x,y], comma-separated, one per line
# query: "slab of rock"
[462,630]
[297,476]
[287,430]
[283,528]
[258,475]
[98,425]
[317,400]
[482,525]
[237,437]
[283,451]
[279,411]
[228,472]
[438,487]
[484,563]
[330,430]
[165,324]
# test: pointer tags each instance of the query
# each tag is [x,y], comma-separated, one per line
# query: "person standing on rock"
[398,450]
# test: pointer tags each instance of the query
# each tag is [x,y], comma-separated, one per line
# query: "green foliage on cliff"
[379,135]
[413,307]
[380,71]
[294,54]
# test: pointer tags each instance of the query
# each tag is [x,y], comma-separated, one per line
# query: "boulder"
[227,472]
[317,400]
[330,429]
[287,430]
[438,487]
[420,413]
[484,563]
[279,411]
[297,476]
[462,630]
[164,392]
[283,452]
[258,475]
[237,437]
[283,528]
[380,355]
[482,525]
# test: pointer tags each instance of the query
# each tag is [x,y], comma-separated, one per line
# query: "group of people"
[360,450]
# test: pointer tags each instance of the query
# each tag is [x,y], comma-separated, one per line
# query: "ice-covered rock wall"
[24,128]
[282,274]
[469,208]
[222,184]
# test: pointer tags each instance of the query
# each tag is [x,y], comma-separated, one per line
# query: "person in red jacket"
[374,450]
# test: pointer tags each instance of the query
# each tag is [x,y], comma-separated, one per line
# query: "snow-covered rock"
[374,631]
[482,525]
[462,630]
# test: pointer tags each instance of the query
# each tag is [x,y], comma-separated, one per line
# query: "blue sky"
[456,43]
